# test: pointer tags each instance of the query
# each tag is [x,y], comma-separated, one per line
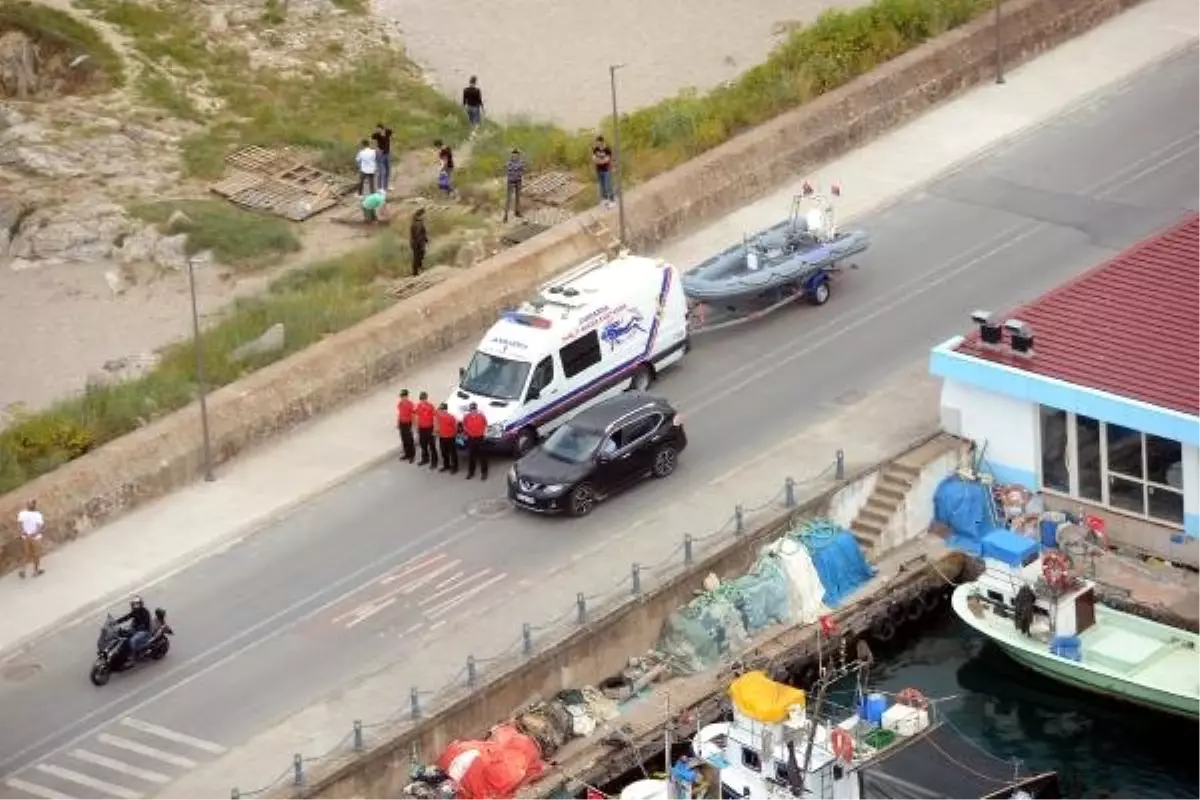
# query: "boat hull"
[1031,654]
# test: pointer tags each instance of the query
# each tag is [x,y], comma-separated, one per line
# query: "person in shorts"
[32,523]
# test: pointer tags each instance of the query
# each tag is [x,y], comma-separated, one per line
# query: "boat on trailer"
[791,260]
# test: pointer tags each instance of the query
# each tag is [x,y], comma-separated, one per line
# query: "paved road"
[336,587]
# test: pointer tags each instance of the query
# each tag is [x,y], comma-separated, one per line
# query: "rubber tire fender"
[884,630]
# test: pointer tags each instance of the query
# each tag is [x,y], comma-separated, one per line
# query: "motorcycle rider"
[139,622]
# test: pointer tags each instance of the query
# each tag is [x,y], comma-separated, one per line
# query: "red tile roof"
[1130,326]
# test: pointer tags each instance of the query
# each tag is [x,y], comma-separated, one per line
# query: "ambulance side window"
[543,376]
[581,354]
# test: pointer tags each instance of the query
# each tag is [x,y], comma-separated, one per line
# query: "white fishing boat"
[1029,602]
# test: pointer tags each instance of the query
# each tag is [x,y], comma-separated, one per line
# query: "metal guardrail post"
[581,605]
[739,520]
[236,794]
[527,638]
[789,492]
[687,549]
[636,574]
[471,675]
[297,770]
[358,737]
[414,699]
[841,465]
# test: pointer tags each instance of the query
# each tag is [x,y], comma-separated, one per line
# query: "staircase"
[891,490]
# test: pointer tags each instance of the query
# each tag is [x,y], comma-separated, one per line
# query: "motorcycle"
[114,649]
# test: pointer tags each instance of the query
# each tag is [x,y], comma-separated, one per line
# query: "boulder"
[82,231]
[116,283]
[121,370]
[170,252]
[273,340]
[47,161]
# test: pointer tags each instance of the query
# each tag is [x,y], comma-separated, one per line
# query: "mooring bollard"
[841,465]
[358,742]
[527,638]
[414,698]
[636,574]
[298,769]
[739,520]
[471,671]
[581,605]
[687,549]
[789,492]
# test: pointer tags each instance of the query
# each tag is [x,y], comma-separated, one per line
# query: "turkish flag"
[828,626]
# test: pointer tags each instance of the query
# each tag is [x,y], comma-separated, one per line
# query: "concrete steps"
[895,481]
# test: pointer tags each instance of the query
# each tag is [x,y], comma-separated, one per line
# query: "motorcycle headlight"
[495,431]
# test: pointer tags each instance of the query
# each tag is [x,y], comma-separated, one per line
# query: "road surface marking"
[409,588]
[36,789]
[411,566]
[468,582]
[443,607]
[173,736]
[88,781]
[147,750]
[387,598]
[370,612]
[413,629]
[119,766]
[451,580]
[436,625]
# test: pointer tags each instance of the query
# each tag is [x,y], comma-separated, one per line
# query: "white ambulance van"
[604,327]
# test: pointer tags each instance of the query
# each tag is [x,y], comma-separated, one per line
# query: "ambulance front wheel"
[642,378]
[526,440]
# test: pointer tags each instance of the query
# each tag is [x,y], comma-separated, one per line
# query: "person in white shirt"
[367,161]
[32,522]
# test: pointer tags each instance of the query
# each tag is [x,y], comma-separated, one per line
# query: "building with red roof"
[1090,394]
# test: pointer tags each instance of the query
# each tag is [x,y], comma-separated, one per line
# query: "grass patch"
[235,237]
[59,31]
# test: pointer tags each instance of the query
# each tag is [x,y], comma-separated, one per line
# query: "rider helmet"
[136,602]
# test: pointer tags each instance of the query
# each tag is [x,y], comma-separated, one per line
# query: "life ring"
[1056,569]
[842,745]
[913,699]
[896,613]
[884,630]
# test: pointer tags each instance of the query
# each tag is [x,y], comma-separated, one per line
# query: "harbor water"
[1101,748]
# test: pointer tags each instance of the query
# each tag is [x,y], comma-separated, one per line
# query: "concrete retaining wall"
[166,454]
[592,653]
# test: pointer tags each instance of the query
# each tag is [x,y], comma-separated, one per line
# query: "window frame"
[590,341]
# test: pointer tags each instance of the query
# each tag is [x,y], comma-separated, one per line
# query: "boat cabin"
[1063,606]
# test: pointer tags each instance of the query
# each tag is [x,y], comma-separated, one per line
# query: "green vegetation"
[59,31]
[330,114]
[311,302]
[235,237]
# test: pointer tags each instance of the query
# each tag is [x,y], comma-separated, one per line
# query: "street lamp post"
[208,472]
[616,122]
[999,46]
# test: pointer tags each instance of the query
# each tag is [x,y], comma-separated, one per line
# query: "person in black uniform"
[139,622]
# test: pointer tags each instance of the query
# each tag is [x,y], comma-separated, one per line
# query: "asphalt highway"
[333,589]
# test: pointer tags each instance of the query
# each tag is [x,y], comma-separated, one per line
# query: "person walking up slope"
[447,429]
[475,427]
[405,411]
[472,100]
[425,413]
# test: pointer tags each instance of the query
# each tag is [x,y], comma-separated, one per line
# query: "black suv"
[609,446]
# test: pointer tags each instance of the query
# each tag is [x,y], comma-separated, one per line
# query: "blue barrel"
[1049,533]
[873,708]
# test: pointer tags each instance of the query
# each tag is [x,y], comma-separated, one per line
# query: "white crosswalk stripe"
[131,760]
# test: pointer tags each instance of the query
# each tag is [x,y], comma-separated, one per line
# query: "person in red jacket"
[475,426]
[405,411]
[447,429]
[425,413]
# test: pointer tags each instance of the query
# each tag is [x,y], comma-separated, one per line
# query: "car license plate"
[524,498]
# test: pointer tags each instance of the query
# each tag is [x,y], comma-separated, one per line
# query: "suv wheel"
[665,461]
[581,500]
[526,441]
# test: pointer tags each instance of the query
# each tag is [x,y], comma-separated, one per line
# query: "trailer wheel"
[819,296]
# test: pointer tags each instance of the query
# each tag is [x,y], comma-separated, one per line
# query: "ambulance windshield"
[496,377]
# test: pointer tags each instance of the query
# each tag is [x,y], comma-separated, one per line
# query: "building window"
[1112,465]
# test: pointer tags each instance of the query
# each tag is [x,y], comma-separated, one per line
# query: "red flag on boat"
[596,794]
[828,626]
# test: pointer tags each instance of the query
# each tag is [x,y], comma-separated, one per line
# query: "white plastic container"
[905,720]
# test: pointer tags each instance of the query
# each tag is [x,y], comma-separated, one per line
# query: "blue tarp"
[967,509]
[1008,548]
[839,561]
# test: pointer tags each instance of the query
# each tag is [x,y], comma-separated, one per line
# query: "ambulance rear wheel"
[526,440]
[642,378]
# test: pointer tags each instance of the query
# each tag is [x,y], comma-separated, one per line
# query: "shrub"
[235,237]
[60,30]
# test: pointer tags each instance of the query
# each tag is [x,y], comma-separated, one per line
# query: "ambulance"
[603,327]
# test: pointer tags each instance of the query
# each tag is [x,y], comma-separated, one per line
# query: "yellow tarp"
[760,698]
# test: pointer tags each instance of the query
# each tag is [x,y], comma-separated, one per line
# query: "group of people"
[436,434]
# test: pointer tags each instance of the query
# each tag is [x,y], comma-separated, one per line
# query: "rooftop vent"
[1020,337]
[990,333]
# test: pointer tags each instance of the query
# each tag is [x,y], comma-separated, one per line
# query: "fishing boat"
[778,745]
[1036,609]
[793,258]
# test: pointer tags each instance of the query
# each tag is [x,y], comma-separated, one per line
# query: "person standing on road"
[602,159]
[425,413]
[367,164]
[383,149]
[405,410]
[32,524]
[418,240]
[447,429]
[472,101]
[514,173]
[475,426]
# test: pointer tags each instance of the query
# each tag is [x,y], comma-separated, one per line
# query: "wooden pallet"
[276,182]
[553,188]
[283,199]
[261,159]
